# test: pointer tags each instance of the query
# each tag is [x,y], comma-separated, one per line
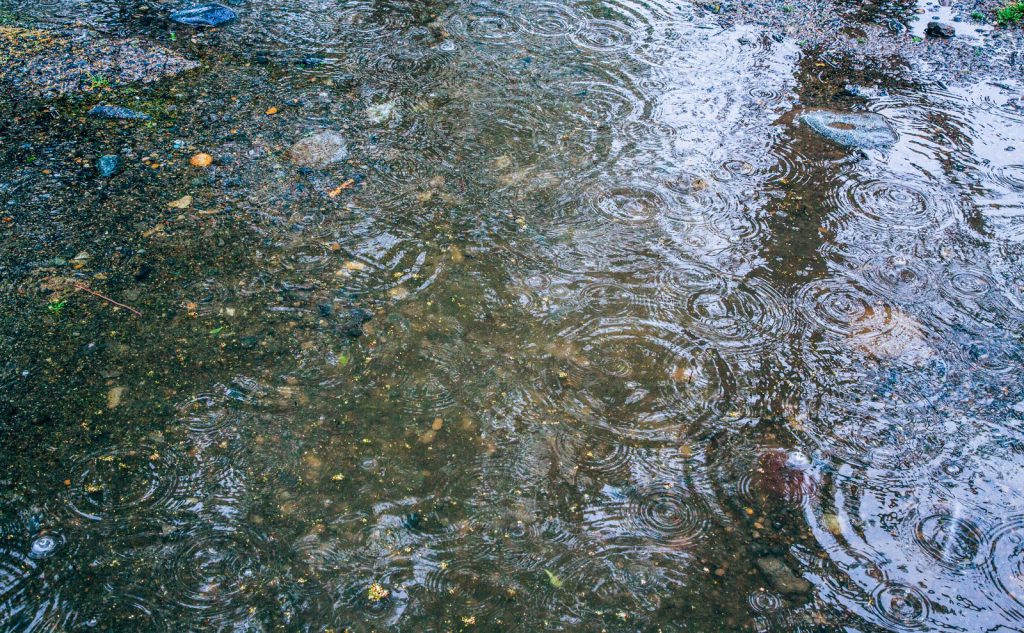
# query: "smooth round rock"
[319,150]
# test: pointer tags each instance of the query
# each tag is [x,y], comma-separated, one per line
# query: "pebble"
[114,397]
[211,14]
[201,160]
[109,165]
[890,333]
[353,324]
[381,113]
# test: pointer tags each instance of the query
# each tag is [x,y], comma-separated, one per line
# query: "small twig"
[120,305]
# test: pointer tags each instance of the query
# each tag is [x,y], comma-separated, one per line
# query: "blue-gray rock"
[204,15]
[109,165]
[853,130]
[116,112]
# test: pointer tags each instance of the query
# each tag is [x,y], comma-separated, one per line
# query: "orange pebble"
[271,110]
[201,160]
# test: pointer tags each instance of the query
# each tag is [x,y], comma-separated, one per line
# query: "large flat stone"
[851,129]
[210,14]
[57,63]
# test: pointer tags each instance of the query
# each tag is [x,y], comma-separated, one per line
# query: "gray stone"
[782,577]
[212,14]
[939,29]
[109,165]
[319,150]
[853,130]
[116,112]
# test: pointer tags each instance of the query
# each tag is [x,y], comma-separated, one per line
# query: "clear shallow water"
[636,332]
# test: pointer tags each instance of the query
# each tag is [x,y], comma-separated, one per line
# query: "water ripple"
[604,36]
[647,373]
[1004,566]
[953,542]
[667,514]
[550,19]
[883,204]
[744,315]
[902,607]
[120,482]
[215,575]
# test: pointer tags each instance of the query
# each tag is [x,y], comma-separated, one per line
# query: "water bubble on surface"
[44,545]
[764,602]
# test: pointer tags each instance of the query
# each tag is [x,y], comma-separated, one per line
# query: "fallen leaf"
[555,581]
[183,202]
[159,228]
[348,184]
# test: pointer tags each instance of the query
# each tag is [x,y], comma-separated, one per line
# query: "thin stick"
[120,305]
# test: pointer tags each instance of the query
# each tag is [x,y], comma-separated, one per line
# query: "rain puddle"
[594,315]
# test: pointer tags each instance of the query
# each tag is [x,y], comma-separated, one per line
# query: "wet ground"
[644,351]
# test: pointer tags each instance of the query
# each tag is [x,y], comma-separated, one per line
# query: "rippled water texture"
[645,352]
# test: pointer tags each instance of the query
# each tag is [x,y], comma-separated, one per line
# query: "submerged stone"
[352,325]
[116,112]
[212,14]
[782,577]
[319,150]
[381,113]
[109,165]
[939,29]
[849,129]
[889,333]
